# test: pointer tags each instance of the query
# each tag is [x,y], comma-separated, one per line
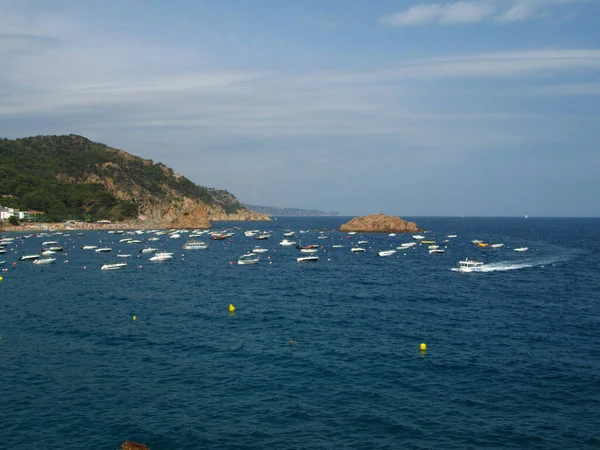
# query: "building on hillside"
[6,213]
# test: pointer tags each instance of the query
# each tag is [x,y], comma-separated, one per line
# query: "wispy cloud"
[464,12]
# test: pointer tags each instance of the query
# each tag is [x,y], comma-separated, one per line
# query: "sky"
[411,108]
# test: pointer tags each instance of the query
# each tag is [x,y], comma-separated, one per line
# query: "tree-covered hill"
[71,177]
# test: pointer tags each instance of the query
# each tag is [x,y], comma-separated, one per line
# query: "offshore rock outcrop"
[380,223]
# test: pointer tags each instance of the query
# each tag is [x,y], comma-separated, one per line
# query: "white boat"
[418,237]
[469,265]
[357,250]
[149,250]
[351,232]
[450,236]
[312,258]
[337,246]
[160,257]
[29,257]
[44,261]
[113,266]
[89,247]
[521,249]
[134,241]
[248,258]
[309,250]
[121,255]
[362,242]
[436,251]
[406,245]
[103,250]
[50,243]
[262,237]
[287,243]
[322,236]
[195,245]
[48,252]
[386,252]
[259,250]
[433,247]
[175,236]
[392,234]
[496,245]
[288,234]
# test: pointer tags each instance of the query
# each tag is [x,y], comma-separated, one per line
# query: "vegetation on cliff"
[71,177]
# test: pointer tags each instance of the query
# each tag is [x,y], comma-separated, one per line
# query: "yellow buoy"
[231,308]
[423,346]
[134,318]
[1,278]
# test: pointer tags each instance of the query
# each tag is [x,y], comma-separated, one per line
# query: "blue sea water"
[512,360]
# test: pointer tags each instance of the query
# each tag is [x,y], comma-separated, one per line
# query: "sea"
[323,355]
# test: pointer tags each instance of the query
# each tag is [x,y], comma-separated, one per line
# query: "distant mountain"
[71,177]
[276,211]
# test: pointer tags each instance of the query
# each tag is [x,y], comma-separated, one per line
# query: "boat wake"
[502,266]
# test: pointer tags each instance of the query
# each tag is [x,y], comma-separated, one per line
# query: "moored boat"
[42,261]
[521,249]
[113,266]
[386,252]
[29,257]
[357,250]
[311,258]
[248,258]
[195,245]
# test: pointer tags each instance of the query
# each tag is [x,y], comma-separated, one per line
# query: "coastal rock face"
[130,445]
[380,223]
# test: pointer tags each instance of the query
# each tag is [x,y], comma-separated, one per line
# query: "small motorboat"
[103,250]
[44,261]
[436,251]
[149,250]
[29,257]
[122,255]
[357,250]
[521,249]
[309,250]
[160,257]
[113,266]
[195,245]
[386,252]
[312,258]
[248,258]
[89,247]
[496,245]
[287,243]
[259,250]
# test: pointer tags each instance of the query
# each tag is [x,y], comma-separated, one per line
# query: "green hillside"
[71,177]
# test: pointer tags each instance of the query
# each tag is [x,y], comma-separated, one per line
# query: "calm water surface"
[512,360]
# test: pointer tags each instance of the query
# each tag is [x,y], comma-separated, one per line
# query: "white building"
[5,213]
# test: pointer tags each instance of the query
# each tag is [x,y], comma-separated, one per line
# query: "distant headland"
[277,211]
[380,223]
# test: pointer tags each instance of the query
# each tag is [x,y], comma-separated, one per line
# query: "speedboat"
[44,261]
[521,249]
[288,234]
[263,237]
[357,250]
[113,266]
[259,250]
[436,251]
[418,237]
[337,246]
[103,250]
[496,245]
[386,252]
[362,242]
[309,250]
[149,250]
[48,252]
[195,245]
[312,258]
[469,265]
[122,255]
[89,247]
[248,258]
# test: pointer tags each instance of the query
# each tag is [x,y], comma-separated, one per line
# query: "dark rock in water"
[380,223]
[129,445]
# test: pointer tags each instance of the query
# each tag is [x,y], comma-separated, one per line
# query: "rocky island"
[380,223]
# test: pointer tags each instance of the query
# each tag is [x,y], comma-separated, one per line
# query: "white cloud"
[464,12]
[449,13]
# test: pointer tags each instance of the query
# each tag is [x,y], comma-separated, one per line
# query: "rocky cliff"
[73,177]
[380,223]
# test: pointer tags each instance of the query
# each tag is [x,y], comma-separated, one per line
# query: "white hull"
[114,266]
[44,261]
[307,259]
[386,253]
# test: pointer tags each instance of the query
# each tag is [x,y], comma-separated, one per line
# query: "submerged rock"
[130,445]
[380,223]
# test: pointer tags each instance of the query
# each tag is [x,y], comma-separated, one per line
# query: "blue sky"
[407,107]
